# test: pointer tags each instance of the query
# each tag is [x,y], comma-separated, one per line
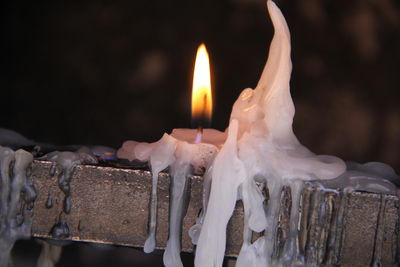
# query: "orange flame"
[201,90]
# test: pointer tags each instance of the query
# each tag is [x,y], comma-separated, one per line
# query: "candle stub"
[180,152]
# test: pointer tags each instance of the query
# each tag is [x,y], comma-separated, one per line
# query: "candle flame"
[201,90]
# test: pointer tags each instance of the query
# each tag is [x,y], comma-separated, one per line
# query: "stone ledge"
[110,206]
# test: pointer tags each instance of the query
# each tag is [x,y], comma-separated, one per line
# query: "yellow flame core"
[201,90]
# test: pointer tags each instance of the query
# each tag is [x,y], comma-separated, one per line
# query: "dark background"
[101,72]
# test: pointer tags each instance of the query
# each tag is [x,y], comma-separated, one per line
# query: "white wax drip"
[366,177]
[180,171]
[224,191]
[194,231]
[161,156]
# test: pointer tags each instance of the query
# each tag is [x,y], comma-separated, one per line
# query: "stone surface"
[110,205]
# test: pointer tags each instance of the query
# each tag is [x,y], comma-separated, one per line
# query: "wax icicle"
[67,161]
[179,172]
[250,252]
[161,156]
[194,231]
[290,253]
[272,215]
[150,243]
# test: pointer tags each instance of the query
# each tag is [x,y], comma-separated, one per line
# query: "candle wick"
[199,135]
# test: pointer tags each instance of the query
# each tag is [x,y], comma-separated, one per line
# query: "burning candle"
[183,151]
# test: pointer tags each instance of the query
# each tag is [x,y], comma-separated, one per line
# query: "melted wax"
[17,196]
[262,148]
[67,161]
[182,157]
[260,151]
